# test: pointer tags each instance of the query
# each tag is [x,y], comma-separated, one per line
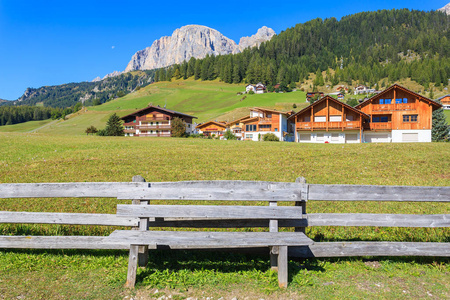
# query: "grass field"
[101,274]
[204,99]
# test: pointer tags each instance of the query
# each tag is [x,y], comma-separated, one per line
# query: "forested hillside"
[367,47]
[90,93]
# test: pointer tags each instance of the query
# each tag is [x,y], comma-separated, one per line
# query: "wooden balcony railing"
[129,131]
[393,107]
[329,125]
[164,126]
[380,126]
[155,134]
[265,121]
[144,118]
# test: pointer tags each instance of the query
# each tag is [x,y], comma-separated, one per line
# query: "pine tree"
[440,128]
[114,126]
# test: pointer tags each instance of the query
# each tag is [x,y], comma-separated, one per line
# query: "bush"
[91,129]
[101,132]
[251,92]
[270,137]
[228,135]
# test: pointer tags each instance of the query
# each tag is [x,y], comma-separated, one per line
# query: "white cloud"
[112,47]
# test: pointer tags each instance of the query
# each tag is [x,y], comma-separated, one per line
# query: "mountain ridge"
[192,41]
[445,9]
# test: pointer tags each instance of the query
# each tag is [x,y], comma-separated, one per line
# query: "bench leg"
[283,266]
[132,266]
[274,258]
[143,256]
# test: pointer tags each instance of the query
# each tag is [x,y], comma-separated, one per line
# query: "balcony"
[153,127]
[327,125]
[394,107]
[265,121]
[144,118]
[380,126]
[129,131]
[155,134]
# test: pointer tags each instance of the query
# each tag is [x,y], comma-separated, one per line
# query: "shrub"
[270,137]
[91,129]
[251,92]
[228,135]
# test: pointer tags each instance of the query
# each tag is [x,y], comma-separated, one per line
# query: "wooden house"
[398,115]
[445,101]
[236,126]
[258,88]
[154,121]
[262,121]
[310,95]
[362,89]
[212,128]
[329,120]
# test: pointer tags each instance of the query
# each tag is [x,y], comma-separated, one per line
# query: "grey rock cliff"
[445,9]
[264,34]
[192,41]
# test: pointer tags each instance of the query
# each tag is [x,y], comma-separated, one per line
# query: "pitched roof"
[401,88]
[273,110]
[332,99]
[238,120]
[212,122]
[160,108]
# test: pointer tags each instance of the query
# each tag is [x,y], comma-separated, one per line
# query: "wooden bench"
[278,242]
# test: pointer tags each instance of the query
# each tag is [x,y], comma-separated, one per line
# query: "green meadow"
[37,274]
[206,100]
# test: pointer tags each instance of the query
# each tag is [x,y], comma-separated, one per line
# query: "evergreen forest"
[365,47]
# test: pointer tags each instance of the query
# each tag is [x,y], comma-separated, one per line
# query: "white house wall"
[332,137]
[424,136]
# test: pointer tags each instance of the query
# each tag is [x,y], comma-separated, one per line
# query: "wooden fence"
[299,192]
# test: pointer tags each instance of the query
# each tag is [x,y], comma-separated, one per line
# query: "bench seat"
[210,239]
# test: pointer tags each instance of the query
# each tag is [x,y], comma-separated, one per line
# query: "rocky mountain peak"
[445,9]
[263,34]
[192,41]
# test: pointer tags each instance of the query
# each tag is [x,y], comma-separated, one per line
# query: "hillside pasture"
[101,274]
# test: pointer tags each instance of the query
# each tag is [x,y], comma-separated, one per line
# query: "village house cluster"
[393,115]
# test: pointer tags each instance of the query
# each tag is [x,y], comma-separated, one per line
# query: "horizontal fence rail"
[226,190]
[14,217]
[381,220]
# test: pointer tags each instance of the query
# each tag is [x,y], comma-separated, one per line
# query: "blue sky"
[47,42]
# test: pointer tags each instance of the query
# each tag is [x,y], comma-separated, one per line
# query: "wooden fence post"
[143,225]
[302,203]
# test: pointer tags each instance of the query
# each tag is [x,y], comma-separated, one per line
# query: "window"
[276,129]
[265,126]
[398,101]
[249,136]
[381,101]
[320,119]
[409,118]
[380,119]
[269,115]
[250,127]
[349,118]
[387,101]
[307,119]
[335,137]
[405,100]
[320,137]
[335,118]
